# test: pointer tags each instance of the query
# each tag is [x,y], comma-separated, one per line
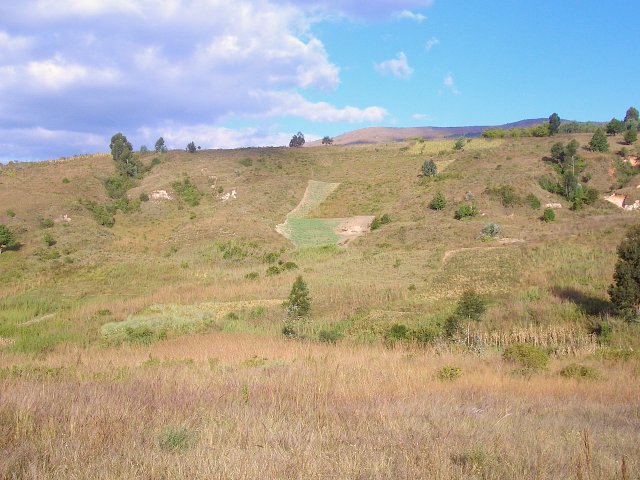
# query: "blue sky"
[248,73]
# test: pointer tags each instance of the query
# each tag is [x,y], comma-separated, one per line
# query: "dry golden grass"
[233,406]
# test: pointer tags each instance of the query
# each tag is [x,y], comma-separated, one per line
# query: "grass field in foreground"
[247,407]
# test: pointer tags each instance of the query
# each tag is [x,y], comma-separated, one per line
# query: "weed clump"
[548,216]
[438,202]
[449,372]
[379,221]
[173,439]
[579,372]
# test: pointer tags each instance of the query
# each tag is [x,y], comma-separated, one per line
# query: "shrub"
[579,372]
[491,230]
[103,215]
[397,332]
[46,223]
[630,136]
[144,197]
[246,162]
[331,335]
[551,185]
[65,180]
[49,240]
[188,192]
[449,372]
[549,215]
[273,270]
[466,210]
[527,356]
[429,168]
[289,266]
[10,213]
[625,289]
[118,185]
[425,334]
[7,238]
[471,306]
[176,438]
[533,201]
[506,194]
[460,143]
[438,202]
[379,221]
[251,275]
[452,326]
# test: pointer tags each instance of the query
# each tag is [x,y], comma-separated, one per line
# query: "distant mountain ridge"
[397,134]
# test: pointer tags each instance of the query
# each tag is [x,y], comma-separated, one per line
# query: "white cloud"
[450,84]
[409,15]
[293,104]
[11,44]
[421,116]
[209,136]
[57,73]
[432,42]
[398,67]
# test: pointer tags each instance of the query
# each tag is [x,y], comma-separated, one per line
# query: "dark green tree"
[625,289]
[327,141]
[615,127]
[191,147]
[554,123]
[438,202]
[599,142]
[632,114]
[7,238]
[571,149]
[460,143]
[471,306]
[557,152]
[630,136]
[298,304]
[160,145]
[297,140]
[429,168]
[122,152]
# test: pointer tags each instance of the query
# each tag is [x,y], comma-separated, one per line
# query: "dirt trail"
[503,242]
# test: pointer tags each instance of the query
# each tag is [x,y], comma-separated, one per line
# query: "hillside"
[397,134]
[164,331]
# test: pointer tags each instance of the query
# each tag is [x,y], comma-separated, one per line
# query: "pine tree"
[625,290]
[554,123]
[298,303]
[438,202]
[599,142]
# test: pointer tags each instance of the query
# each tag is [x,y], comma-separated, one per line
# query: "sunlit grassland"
[242,406]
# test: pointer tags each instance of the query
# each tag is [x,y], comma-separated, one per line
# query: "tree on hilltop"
[554,123]
[632,114]
[327,141]
[297,140]
[191,147]
[615,126]
[160,146]
[625,289]
[122,153]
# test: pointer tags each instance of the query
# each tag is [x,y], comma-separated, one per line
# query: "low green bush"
[466,210]
[527,356]
[449,372]
[579,372]
[549,215]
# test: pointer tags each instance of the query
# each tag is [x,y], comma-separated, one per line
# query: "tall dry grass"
[233,406]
